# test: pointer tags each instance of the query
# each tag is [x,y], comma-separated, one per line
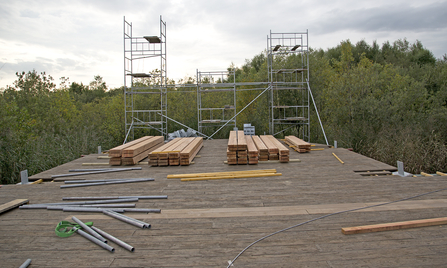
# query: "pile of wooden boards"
[243,149]
[133,152]
[179,151]
[298,144]
[225,175]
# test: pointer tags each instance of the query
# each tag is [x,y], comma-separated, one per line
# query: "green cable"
[65,228]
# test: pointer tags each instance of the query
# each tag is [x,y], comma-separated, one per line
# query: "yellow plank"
[440,173]
[317,149]
[194,175]
[338,158]
[234,177]
[13,204]
[37,182]
[426,174]
[394,226]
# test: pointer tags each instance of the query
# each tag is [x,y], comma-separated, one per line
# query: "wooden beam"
[234,177]
[338,158]
[426,174]
[195,175]
[440,173]
[13,204]
[394,226]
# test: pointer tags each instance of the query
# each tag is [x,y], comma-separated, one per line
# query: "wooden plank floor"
[207,223]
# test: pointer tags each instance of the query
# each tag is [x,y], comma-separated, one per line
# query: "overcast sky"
[81,39]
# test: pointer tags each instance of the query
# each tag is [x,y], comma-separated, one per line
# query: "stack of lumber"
[190,151]
[253,152]
[133,152]
[237,148]
[283,151]
[243,149]
[298,144]
[179,151]
[272,148]
[263,150]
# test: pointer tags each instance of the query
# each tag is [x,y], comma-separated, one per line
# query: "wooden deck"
[207,223]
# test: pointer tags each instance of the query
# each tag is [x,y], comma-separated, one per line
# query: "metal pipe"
[124,219]
[26,263]
[259,95]
[44,205]
[89,230]
[103,180]
[91,169]
[118,206]
[318,115]
[104,183]
[114,239]
[79,209]
[145,210]
[111,205]
[94,240]
[132,219]
[95,172]
[116,197]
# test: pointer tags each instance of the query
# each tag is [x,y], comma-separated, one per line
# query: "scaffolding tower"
[288,77]
[145,82]
[220,87]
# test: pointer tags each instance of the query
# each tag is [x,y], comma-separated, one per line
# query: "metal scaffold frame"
[216,84]
[145,87]
[288,89]
[289,96]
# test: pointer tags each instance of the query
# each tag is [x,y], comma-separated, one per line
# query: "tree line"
[388,102]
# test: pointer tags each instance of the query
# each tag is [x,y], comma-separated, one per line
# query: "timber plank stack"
[242,154]
[298,144]
[237,148]
[272,148]
[179,151]
[253,152]
[283,151]
[263,150]
[133,152]
[232,148]
[243,149]
[190,151]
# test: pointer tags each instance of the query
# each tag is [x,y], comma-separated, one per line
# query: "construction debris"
[182,134]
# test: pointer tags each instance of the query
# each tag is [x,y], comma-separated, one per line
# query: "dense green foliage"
[388,102]
[42,126]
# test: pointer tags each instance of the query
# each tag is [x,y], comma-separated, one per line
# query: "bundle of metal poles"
[95,171]
[87,183]
[99,236]
[96,205]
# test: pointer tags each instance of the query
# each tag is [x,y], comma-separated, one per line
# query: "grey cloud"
[29,14]
[386,18]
